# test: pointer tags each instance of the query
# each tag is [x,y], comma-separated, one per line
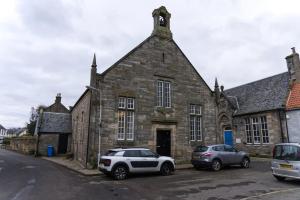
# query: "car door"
[230,154]
[150,160]
[134,159]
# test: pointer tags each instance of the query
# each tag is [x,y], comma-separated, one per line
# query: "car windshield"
[287,152]
[111,153]
[201,148]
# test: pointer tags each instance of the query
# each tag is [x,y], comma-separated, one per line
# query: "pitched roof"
[262,95]
[141,44]
[293,101]
[52,122]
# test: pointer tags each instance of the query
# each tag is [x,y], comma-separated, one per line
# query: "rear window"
[111,153]
[287,152]
[201,149]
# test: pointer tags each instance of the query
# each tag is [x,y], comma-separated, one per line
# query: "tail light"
[106,162]
[207,154]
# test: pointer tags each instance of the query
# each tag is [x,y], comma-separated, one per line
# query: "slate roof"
[293,101]
[52,122]
[262,95]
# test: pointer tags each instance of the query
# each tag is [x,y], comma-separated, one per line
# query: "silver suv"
[120,162]
[216,156]
[286,161]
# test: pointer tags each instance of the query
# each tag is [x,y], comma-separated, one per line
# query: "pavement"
[73,165]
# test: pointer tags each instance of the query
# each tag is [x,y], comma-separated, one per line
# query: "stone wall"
[24,144]
[80,128]
[48,139]
[136,76]
[274,129]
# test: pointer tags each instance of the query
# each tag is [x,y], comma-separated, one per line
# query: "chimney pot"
[293,50]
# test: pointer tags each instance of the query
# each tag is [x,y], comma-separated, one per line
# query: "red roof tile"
[293,100]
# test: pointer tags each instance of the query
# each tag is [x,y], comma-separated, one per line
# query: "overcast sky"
[46,46]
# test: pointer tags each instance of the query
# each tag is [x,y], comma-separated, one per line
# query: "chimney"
[293,65]
[58,98]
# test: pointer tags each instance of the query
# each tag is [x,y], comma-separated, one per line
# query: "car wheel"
[216,165]
[279,178]
[245,163]
[166,169]
[197,167]
[120,173]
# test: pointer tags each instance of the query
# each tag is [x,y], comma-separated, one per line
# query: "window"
[147,153]
[131,153]
[287,152]
[257,130]
[195,123]
[126,118]
[248,131]
[163,94]
[264,129]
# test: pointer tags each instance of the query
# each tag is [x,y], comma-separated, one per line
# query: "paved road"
[28,178]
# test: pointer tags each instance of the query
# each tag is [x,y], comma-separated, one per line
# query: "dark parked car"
[217,156]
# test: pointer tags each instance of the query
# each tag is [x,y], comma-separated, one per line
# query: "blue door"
[228,139]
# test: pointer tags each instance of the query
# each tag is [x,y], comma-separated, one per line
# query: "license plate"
[286,166]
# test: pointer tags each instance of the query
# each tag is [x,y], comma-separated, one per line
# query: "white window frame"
[249,136]
[195,122]
[256,128]
[160,93]
[126,106]
[121,125]
[163,94]
[122,102]
[264,130]
[167,94]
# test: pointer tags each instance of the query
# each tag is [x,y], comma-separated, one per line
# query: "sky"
[47,46]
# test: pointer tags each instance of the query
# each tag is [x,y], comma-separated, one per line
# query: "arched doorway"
[226,129]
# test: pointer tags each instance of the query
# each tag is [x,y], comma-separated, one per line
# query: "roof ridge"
[255,81]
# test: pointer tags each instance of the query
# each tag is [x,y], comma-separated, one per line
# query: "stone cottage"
[152,97]
[54,128]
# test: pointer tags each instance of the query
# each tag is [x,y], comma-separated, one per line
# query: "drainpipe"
[287,128]
[281,130]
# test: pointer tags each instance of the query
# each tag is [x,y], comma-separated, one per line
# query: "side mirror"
[157,155]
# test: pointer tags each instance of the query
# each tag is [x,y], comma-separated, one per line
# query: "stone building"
[257,115]
[152,97]
[54,128]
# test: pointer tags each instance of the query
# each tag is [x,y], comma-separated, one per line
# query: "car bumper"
[295,174]
[201,163]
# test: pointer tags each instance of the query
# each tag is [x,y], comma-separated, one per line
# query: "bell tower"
[161,19]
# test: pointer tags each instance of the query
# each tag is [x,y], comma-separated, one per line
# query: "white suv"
[120,162]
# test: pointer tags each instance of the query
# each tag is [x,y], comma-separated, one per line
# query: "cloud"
[47,46]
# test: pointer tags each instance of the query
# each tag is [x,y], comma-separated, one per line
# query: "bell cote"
[161,19]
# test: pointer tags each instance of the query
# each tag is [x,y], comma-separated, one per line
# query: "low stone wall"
[23,144]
